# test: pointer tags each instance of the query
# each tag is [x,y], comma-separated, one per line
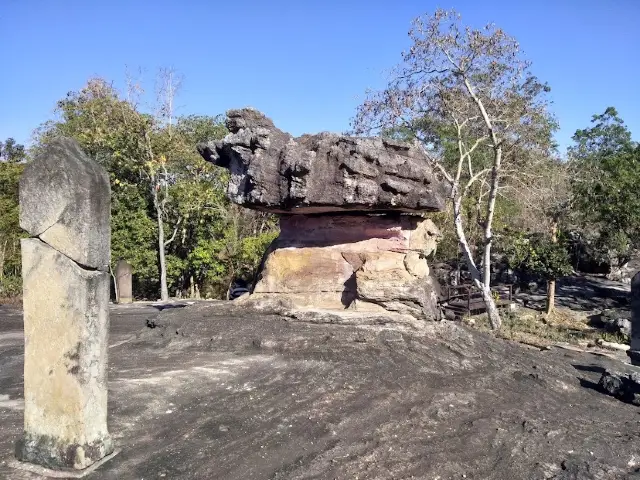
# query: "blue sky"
[306,64]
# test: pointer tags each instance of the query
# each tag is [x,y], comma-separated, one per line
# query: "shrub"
[11,286]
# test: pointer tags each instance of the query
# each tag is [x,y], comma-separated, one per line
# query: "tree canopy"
[605,165]
[159,181]
[468,97]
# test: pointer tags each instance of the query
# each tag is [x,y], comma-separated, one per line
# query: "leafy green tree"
[12,152]
[539,255]
[605,162]
[111,131]
[12,157]
[170,216]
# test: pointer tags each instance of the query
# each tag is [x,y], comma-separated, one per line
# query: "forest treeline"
[170,218]
[518,204]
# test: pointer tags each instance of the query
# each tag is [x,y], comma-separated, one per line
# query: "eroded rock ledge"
[327,172]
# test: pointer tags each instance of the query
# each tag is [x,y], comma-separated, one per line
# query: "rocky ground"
[220,392]
[582,293]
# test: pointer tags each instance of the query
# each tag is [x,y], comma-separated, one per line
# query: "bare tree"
[159,145]
[468,98]
[548,200]
[167,86]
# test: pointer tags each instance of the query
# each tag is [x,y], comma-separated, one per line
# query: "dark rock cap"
[273,171]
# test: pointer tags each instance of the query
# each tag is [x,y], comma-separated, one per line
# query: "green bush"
[11,286]
[536,254]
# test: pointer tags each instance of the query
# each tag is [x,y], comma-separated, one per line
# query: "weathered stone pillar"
[65,207]
[634,351]
[124,277]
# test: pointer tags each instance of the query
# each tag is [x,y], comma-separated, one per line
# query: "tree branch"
[175,230]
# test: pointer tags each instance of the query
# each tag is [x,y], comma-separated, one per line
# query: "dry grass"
[535,328]
[14,302]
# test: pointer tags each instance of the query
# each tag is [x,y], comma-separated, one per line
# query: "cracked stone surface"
[64,205]
[65,200]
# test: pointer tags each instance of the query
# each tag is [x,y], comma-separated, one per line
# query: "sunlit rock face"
[353,231]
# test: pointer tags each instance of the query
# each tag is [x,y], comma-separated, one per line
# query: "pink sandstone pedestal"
[366,263]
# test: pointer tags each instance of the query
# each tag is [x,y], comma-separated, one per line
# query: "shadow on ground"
[582,293]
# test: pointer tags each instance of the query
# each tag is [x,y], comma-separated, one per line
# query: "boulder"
[625,273]
[65,200]
[617,321]
[353,233]
[624,386]
[327,172]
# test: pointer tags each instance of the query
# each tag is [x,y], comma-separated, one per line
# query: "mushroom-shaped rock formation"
[353,231]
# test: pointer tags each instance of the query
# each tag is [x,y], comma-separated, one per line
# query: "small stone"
[625,387]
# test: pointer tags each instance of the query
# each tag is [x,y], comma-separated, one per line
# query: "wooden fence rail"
[467,299]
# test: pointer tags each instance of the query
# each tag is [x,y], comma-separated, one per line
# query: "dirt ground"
[215,392]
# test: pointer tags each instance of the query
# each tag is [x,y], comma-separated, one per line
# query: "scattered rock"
[624,386]
[617,320]
[612,345]
[626,272]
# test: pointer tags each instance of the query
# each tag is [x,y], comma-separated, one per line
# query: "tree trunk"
[492,309]
[491,205]
[115,284]
[3,254]
[192,291]
[164,290]
[551,284]
[490,304]
[551,296]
